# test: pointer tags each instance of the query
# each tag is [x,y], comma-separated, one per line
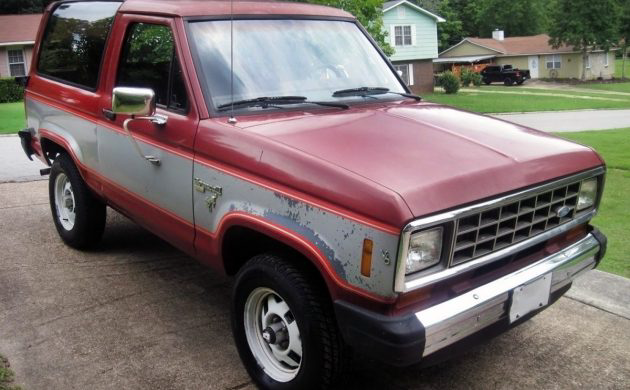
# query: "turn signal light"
[366,258]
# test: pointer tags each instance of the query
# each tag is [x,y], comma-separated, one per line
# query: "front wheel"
[284,326]
[508,81]
[79,217]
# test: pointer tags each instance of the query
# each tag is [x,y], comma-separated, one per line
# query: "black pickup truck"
[505,74]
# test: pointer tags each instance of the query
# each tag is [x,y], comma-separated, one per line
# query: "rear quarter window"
[74,42]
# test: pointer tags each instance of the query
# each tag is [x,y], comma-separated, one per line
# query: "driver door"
[156,195]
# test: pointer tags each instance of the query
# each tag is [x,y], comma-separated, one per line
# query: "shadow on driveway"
[139,314]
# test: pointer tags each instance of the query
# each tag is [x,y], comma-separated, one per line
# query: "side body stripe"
[160,199]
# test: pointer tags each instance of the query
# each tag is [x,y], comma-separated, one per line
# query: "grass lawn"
[617,87]
[526,100]
[614,215]
[6,376]
[11,117]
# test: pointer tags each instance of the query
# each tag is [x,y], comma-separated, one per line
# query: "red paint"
[434,157]
[378,164]
[209,251]
[213,8]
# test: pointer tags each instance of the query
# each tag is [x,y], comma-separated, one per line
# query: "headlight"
[425,250]
[588,194]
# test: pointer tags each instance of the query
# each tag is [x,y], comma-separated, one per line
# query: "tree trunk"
[584,59]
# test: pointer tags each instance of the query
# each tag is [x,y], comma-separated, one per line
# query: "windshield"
[308,58]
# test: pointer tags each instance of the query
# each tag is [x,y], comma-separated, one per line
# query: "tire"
[79,217]
[268,284]
[486,81]
[520,82]
[508,81]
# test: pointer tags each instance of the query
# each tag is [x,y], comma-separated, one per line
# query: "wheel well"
[51,149]
[241,244]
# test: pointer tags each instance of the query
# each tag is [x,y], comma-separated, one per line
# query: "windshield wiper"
[369,91]
[265,102]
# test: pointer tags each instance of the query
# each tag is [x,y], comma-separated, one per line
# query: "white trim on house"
[24,43]
[409,71]
[424,11]
[503,54]
[472,43]
[553,59]
[412,32]
[23,62]
[468,59]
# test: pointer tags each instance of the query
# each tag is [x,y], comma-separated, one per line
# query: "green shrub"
[466,77]
[10,91]
[476,79]
[449,82]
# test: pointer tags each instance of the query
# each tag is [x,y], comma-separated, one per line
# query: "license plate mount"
[529,297]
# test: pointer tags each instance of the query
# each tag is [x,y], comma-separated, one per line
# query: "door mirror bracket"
[140,104]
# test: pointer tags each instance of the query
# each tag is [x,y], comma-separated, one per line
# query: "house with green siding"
[529,52]
[412,32]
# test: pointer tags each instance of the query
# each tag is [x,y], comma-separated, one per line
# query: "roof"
[467,59]
[387,6]
[19,29]
[222,7]
[535,44]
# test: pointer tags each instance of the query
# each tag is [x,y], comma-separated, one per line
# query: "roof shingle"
[19,28]
[535,44]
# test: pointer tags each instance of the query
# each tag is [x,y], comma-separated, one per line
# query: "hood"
[434,157]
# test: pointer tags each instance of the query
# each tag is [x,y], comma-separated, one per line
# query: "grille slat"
[486,231]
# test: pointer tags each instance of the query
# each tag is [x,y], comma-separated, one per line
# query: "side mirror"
[140,104]
[133,101]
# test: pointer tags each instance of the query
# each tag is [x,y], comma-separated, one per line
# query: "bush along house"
[17,37]
[529,52]
[412,32]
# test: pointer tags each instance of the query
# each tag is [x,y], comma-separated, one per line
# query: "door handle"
[109,114]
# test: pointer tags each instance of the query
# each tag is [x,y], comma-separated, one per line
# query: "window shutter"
[413,35]
[392,35]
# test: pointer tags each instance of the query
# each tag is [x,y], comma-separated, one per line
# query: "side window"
[148,60]
[74,41]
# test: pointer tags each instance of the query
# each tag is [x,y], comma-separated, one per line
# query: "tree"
[624,34]
[23,6]
[450,32]
[515,17]
[584,25]
[467,12]
[368,12]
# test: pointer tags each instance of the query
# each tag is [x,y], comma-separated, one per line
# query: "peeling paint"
[339,239]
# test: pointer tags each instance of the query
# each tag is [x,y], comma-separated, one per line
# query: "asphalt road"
[138,314]
[564,121]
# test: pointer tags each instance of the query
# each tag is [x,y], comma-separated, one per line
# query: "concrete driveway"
[137,314]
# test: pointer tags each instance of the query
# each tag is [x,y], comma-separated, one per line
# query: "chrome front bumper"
[455,319]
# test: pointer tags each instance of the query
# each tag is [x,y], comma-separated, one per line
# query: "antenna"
[232,120]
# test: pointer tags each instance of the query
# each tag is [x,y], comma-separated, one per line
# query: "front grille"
[505,224]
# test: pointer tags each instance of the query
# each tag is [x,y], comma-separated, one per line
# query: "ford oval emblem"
[562,211]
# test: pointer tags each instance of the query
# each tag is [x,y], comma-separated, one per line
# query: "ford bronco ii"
[275,142]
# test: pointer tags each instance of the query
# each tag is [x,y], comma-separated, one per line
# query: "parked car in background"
[353,215]
[504,74]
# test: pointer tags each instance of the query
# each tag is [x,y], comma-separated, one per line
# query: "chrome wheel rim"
[64,201]
[273,334]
